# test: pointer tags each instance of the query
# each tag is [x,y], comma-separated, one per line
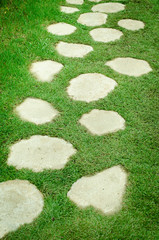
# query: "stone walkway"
[21,202]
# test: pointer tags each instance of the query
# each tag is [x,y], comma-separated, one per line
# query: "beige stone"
[73,50]
[103,191]
[20,203]
[129,66]
[40,152]
[61,29]
[130,24]
[92,19]
[95,0]
[100,122]
[105,34]
[69,10]
[108,7]
[44,71]
[78,2]
[90,87]
[36,111]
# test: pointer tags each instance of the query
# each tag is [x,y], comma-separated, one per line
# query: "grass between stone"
[24,39]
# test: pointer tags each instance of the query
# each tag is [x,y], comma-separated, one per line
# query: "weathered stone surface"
[108,7]
[100,122]
[95,1]
[92,19]
[90,87]
[73,50]
[20,203]
[36,111]
[105,34]
[130,24]
[78,2]
[61,29]
[129,66]
[44,71]
[103,191]
[40,152]
[69,9]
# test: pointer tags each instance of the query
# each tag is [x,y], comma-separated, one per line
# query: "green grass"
[24,39]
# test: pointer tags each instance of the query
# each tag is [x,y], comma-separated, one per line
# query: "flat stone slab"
[100,122]
[44,71]
[20,203]
[92,19]
[61,29]
[73,50]
[39,153]
[108,7]
[95,0]
[105,34]
[90,87]
[103,191]
[130,24]
[78,2]
[129,66]
[69,10]
[36,111]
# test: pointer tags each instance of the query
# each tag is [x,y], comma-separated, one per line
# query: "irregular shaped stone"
[100,122]
[69,9]
[92,19]
[40,152]
[20,203]
[45,71]
[129,66]
[78,2]
[36,111]
[61,29]
[95,0]
[90,87]
[105,34]
[130,24]
[108,7]
[73,50]
[103,191]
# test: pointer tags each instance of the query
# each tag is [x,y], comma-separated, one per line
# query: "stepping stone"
[95,0]
[105,34]
[129,66]
[73,50]
[61,29]
[103,191]
[90,87]
[39,153]
[78,2]
[100,122]
[36,111]
[20,203]
[108,7]
[69,9]
[130,24]
[92,19]
[45,71]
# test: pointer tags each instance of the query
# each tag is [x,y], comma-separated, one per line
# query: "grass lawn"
[24,39]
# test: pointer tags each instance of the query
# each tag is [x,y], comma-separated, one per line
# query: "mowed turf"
[24,39]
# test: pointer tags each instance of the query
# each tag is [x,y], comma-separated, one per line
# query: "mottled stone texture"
[44,71]
[90,87]
[100,122]
[36,111]
[73,50]
[92,19]
[129,66]
[40,152]
[20,203]
[103,191]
